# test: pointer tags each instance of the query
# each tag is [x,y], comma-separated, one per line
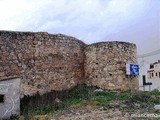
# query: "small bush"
[101,100]
[14,117]
[145,97]
[124,95]
[155,92]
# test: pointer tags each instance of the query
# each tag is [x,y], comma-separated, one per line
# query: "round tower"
[105,64]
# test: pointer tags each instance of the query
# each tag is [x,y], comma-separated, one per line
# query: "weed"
[14,117]
[106,94]
[101,100]
[109,106]
[85,97]
[124,95]
[41,117]
[67,98]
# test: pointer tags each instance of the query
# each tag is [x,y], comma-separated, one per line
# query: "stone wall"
[47,62]
[105,64]
[44,62]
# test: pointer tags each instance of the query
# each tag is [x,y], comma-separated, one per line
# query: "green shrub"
[124,95]
[14,117]
[155,92]
[101,100]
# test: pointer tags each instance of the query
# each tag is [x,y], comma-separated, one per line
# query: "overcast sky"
[136,21]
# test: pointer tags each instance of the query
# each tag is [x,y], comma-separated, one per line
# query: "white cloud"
[129,20]
[51,25]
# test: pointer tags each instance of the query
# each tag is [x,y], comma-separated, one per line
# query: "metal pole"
[149,87]
[137,84]
[129,82]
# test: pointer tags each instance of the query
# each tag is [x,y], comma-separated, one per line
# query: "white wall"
[144,64]
[11,103]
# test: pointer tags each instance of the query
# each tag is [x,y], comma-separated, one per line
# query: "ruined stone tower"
[105,64]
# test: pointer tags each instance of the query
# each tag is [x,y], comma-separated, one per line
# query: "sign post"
[131,69]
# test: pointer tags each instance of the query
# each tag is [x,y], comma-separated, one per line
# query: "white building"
[154,71]
[153,75]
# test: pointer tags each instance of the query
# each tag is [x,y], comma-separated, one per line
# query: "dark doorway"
[1,98]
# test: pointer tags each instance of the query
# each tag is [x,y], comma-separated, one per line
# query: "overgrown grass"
[67,98]
[85,97]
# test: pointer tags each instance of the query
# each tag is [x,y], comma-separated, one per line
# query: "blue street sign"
[134,69]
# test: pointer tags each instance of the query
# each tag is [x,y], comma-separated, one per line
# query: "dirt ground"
[96,114]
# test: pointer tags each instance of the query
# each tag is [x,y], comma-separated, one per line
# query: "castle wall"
[105,64]
[44,62]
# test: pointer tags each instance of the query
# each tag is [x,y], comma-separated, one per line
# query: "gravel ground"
[96,114]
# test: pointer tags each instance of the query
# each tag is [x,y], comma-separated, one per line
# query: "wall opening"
[76,54]
[1,98]
[156,74]
[110,74]
[110,47]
